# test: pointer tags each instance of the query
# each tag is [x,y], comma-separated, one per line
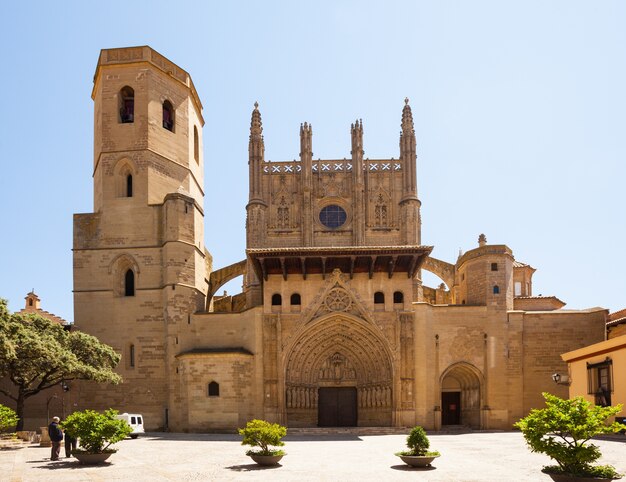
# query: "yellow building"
[334,326]
[598,373]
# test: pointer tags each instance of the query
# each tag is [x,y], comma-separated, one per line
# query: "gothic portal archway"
[461,395]
[338,364]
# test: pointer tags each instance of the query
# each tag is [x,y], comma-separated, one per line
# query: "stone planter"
[266,459]
[571,478]
[91,459]
[44,441]
[418,460]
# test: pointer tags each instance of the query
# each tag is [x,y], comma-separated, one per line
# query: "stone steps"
[349,430]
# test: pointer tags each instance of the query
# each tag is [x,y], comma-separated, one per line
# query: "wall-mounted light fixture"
[561,379]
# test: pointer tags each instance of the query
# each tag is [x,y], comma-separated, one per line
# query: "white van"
[135,420]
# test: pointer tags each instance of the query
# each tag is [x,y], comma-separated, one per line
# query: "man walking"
[56,437]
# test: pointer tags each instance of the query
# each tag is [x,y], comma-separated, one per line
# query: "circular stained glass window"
[333,216]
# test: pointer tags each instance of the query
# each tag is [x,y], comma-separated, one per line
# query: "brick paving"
[479,457]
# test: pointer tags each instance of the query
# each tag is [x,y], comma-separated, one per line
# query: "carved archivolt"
[339,349]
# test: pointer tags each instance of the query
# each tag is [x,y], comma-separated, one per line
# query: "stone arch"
[468,381]
[445,271]
[220,277]
[123,168]
[339,350]
[118,268]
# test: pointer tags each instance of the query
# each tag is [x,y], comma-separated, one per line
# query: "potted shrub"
[418,454]
[262,434]
[96,433]
[562,431]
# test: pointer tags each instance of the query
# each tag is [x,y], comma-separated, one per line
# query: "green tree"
[37,354]
[8,418]
[262,434]
[562,431]
[96,429]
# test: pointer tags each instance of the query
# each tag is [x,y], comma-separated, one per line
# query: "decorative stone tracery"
[338,350]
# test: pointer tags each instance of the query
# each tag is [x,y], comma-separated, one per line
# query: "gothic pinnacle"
[407,117]
[256,125]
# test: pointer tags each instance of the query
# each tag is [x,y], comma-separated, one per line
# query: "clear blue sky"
[519,108]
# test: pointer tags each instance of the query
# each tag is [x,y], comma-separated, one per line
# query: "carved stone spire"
[357,152]
[410,205]
[256,126]
[306,158]
[256,154]
[407,118]
[408,153]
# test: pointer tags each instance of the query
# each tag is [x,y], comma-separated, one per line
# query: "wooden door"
[337,407]
[450,408]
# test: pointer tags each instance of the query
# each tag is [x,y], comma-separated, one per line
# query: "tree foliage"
[418,443]
[96,431]
[563,429]
[262,434]
[8,418]
[37,354]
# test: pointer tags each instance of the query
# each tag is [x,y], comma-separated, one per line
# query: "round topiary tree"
[262,434]
[562,431]
[418,444]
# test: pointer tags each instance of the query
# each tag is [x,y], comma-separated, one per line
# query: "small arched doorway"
[461,395]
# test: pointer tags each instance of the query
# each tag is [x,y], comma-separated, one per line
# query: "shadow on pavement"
[330,437]
[63,464]
[408,468]
[251,467]
[192,437]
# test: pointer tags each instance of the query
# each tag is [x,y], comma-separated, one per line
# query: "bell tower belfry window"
[127,105]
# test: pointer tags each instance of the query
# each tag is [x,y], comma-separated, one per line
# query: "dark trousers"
[56,450]
[70,444]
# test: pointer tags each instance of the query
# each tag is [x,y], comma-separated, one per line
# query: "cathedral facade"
[334,326]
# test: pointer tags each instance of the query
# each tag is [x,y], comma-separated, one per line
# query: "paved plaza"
[342,457]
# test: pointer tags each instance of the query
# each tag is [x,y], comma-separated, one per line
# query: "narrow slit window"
[129,185]
[131,356]
[129,283]
[168,116]
[496,290]
[196,145]
[127,105]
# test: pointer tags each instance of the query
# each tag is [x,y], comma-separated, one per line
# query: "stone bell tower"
[140,266]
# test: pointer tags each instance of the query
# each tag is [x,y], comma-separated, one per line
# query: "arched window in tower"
[196,145]
[129,283]
[398,297]
[214,389]
[379,298]
[129,185]
[168,115]
[295,299]
[277,300]
[127,105]
[496,290]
